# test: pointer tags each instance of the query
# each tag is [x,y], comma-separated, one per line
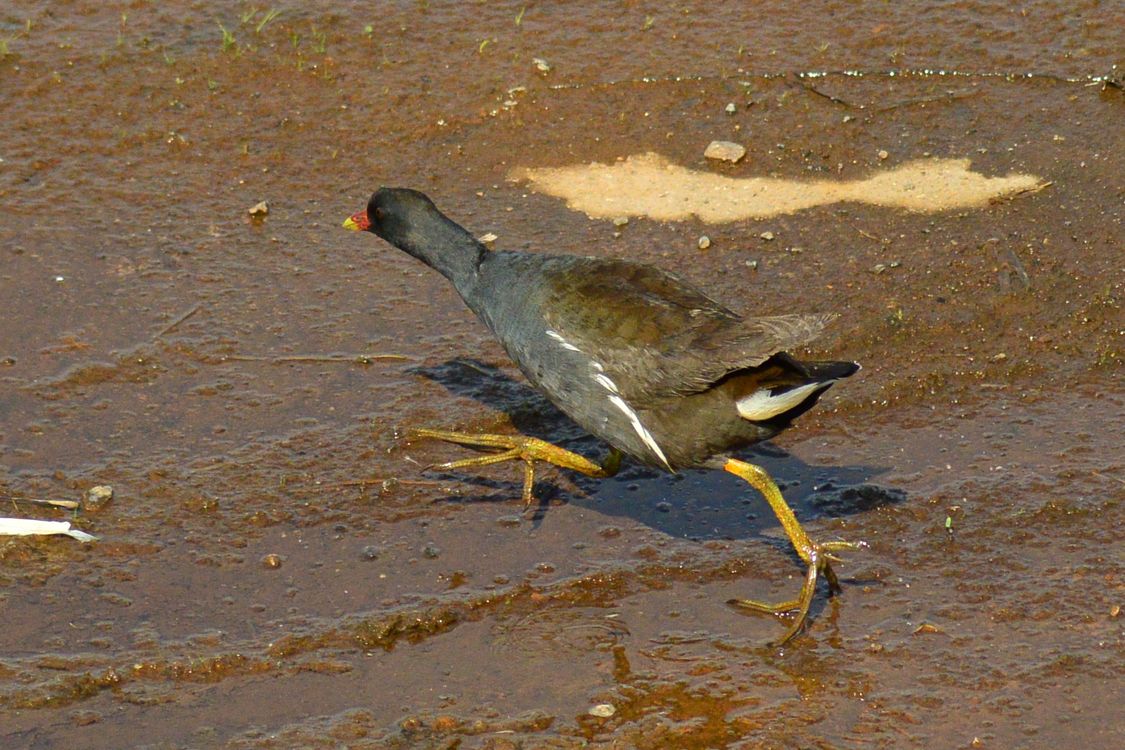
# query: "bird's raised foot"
[517,448]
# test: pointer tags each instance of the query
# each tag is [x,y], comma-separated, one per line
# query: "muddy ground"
[277,570]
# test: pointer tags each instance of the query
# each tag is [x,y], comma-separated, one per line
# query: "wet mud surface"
[277,570]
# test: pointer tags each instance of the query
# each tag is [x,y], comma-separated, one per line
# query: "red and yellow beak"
[358,222]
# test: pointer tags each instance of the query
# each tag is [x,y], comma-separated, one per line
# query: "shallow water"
[276,570]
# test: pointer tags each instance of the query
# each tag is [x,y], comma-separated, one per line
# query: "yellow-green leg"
[819,557]
[520,448]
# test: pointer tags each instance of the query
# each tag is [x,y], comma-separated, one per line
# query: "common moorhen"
[634,355]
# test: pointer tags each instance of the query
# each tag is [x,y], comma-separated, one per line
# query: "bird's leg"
[819,557]
[520,448]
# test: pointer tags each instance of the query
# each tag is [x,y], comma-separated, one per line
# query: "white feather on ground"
[32,527]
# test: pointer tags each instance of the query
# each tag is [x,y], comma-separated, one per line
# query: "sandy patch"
[650,185]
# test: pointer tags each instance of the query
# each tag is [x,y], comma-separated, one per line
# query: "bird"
[634,355]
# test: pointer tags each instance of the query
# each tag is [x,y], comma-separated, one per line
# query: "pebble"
[664,507]
[97,497]
[704,242]
[767,236]
[82,718]
[487,239]
[431,550]
[621,221]
[731,109]
[602,710]
[272,560]
[541,65]
[883,154]
[752,265]
[371,552]
[725,151]
[509,521]
[444,723]
[259,209]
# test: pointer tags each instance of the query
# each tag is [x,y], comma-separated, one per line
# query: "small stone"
[767,236]
[259,210]
[487,239]
[97,497]
[878,268]
[1115,610]
[883,154]
[620,221]
[541,65]
[431,551]
[509,521]
[704,242]
[83,718]
[602,710]
[725,151]
[200,504]
[664,507]
[370,552]
[272,560]
[731,109]
[752,265]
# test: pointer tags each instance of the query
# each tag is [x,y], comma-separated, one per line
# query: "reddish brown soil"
[210,368]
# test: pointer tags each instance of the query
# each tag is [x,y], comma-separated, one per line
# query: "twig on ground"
[168,328]
[358,359]
[68,504]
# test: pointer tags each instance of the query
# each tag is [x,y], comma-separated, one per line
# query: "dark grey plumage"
[633,354]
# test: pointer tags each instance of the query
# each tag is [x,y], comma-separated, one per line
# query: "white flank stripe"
[762,405]
[644,434]
[562,342]
[605,382]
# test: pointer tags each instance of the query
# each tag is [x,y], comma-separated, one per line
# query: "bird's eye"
[378,214]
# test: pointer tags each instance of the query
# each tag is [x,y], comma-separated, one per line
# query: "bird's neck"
[449,250]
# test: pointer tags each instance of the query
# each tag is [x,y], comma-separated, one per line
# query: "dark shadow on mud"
[695,505]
